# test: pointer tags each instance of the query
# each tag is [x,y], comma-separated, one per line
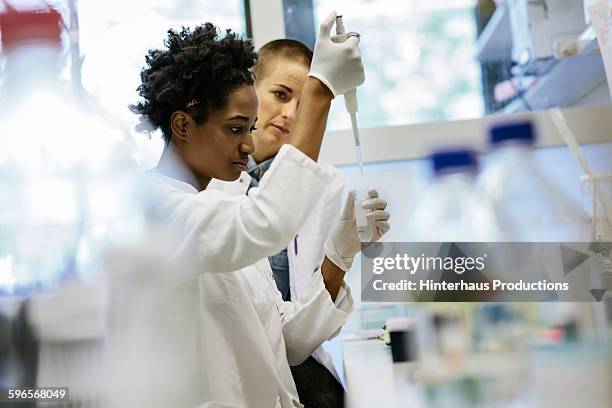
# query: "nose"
[289,111]
[247,146]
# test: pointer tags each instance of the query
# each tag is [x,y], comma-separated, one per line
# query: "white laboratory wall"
[590,124]
[267,21]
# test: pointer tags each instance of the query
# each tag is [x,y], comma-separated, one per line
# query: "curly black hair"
[196,73]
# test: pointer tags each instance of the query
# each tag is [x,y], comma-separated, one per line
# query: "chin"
[276,138]
[230,176]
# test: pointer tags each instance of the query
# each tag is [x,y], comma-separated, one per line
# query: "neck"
[263,156]
[172,165]
[262,152]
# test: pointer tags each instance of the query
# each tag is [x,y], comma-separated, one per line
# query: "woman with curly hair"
[281,70]
[199,92]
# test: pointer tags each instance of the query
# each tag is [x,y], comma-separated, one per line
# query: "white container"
[364,231]
[451,209]
[528,207]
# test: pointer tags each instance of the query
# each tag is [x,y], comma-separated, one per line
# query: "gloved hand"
[343,243]
[337,64]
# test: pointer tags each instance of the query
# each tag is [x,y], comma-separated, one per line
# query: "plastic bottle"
[451,209]
[528,206]
[64,194]
[70,215]
[364,231]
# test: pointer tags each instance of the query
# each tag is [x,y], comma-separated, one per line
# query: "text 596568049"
[32,394]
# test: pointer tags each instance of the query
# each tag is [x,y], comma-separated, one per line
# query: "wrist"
[317,88]
[332,251]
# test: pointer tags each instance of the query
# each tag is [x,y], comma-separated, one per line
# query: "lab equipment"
[452,210]
[350,98]
[598,186]
[528,207]
[598,192]
[62,165]
[66,197]
[538,25]
[361,221]
[402,333]
[350,101]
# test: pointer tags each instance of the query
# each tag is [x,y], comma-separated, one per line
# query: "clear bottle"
[528,206]
[451,209]
[64,194]
[71,228]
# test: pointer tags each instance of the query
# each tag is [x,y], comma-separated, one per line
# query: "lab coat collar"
[174,182]
[257,170]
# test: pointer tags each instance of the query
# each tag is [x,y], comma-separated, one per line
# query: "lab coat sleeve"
[344,301]
[333,200]
[226,233]
[312,236]
[309,323]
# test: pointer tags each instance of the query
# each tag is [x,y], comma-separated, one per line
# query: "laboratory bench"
[566,376]
[371,376]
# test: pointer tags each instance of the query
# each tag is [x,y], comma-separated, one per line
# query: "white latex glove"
[337,64]
[343,243]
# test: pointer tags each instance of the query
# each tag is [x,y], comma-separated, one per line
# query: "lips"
[281,128]
[242,165]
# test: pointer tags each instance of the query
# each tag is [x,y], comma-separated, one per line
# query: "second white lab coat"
[305,252]
[247,335]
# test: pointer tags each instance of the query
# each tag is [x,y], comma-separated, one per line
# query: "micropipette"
[350,100]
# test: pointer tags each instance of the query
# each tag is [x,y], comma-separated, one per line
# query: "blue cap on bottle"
[521,132]
[454,160]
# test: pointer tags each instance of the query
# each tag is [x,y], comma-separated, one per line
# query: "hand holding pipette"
[342,78]
[337,60]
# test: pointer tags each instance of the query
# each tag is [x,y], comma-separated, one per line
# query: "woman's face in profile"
[219,148]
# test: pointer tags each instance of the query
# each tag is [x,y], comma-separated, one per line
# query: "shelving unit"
[572,81]
[569,83]
[495,42]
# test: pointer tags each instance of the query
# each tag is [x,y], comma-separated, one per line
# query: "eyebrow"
[243,118]
[286,87]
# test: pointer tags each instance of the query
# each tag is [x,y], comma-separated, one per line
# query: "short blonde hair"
[291,50]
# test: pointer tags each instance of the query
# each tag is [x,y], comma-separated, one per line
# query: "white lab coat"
[305,252]
[248,336]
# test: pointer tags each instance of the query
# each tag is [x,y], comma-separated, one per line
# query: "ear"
[180,124]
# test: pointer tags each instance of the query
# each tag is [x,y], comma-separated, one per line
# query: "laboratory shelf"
[569,81]
[495,41]
[565,82]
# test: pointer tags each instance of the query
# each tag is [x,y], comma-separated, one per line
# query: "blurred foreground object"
[69,213]
[64,196]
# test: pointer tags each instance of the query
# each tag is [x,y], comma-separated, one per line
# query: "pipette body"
[350,100]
